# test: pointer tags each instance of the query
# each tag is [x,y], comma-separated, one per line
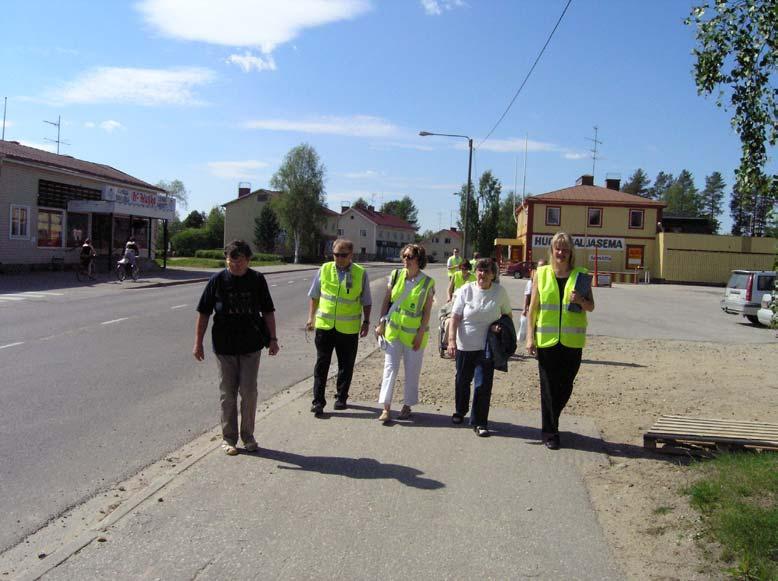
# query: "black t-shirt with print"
[237,302]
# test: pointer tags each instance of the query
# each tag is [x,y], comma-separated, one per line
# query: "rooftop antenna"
[58,125]
[5,105]
[594,150]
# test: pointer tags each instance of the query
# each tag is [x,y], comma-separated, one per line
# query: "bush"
[188,241]
[219,255]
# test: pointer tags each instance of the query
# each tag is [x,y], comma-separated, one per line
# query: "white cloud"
[354,126]
[358,175]
[576,155]
[236,169]
[90,124]
[437,7]
[110,125]
[265,24]
[513,144]
[248,61]
[134,86]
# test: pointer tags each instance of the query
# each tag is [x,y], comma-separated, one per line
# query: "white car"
[765,314]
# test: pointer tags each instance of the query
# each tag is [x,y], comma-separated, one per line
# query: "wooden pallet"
[677,433]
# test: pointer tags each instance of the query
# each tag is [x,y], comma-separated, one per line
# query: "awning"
[113,207]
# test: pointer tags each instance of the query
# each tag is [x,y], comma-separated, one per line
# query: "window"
[595,217]
[20,222]
[363,233]
[636,219]
[78,229]
[340,231]
[447,241]
[50,228]
[553,215]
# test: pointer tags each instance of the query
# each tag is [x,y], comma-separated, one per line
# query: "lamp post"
[469,183]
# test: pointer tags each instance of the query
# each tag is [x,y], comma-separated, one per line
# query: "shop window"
[636,219]
[50,228]
[20,222]
[553,216]
[78,229]
[595,217]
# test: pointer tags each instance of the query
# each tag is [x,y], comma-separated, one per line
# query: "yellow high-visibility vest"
[459,279]
[340,302]
[452,264]
[553,325]
[405,320]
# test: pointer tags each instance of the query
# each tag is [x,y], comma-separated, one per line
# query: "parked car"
[519,269]
[765,313]
[744,292]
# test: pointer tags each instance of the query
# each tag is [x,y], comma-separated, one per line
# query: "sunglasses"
[409,256]
[341,254]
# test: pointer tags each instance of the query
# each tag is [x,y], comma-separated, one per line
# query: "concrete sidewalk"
[345,496]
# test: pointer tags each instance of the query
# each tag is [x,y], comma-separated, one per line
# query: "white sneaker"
[229,449]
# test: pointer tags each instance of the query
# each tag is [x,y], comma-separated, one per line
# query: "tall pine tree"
[682,197]
[637,184]
[489,188]
[266,229]
[711,198]
[662,183]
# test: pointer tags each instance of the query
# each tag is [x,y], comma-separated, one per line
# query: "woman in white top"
[477,306]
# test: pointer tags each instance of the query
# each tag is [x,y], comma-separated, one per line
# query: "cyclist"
[131,252]
[87,255]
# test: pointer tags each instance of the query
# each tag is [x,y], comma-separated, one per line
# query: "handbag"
[522,334]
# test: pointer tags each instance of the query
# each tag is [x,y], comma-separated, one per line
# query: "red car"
[519,269]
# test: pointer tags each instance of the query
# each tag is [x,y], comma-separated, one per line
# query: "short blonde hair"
[343,243]
[567,240]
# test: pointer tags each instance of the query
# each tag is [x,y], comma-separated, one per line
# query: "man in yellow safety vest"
[453,262]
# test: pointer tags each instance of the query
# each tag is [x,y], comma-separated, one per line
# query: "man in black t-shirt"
[242,304]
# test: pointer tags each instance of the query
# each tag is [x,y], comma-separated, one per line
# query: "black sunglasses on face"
[409,257]
[340,254]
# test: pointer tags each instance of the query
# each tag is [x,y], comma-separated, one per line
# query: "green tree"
[489,189]
[360,203]
[506,225]
[662,183]
[682,197]
[711,198]
[301,179]
[214,225]
[737,55]
[473,222]
[177,190]
[266,229]
[426,235]
[195,219]
[637,184]
[404,208]
[738,212]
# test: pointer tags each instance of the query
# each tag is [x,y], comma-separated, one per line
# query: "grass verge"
[206,262]
[737,495]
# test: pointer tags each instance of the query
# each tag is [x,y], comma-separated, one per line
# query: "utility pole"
[594,149]
[58,125]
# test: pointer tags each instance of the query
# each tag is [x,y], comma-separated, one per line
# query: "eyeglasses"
[409,256]
[341,254]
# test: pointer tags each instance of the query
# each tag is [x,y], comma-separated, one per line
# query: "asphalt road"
[99,382]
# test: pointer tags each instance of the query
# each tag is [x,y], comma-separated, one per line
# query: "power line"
[524,82]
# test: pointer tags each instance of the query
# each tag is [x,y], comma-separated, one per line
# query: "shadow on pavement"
[367,468]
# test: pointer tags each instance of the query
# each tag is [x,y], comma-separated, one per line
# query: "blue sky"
[215,93]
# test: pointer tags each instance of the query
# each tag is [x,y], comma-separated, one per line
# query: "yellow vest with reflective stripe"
[340,303]
[550,328]
[405,320]
[452,264]
[459,279]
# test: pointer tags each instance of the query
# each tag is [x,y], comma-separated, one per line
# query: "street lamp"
[469,182]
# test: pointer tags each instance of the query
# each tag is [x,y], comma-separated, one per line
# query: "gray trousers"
[238,375]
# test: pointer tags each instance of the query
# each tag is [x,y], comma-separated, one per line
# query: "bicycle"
[123,269]
[88,272]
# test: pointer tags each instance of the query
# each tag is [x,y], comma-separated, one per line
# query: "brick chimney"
[343,208]
[613,181]
[585,180]
[371,208]
[244,189]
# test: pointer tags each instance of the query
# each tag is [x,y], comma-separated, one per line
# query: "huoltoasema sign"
[583,242]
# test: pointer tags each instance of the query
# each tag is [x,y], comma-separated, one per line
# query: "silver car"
[744,292]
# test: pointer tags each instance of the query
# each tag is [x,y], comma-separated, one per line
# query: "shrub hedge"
[219,254]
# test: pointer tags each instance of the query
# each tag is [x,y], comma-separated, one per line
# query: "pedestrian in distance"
[460,278]
[339,310]
[404,327]
[556,331]
[243,324]
[477,307]
[474,260]
[453,262]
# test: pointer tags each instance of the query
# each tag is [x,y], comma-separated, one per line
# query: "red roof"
[13,150]
[382,219]
[595,194]
[448,232]
[328,212]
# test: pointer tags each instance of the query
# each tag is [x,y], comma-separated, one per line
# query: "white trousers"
[396,350]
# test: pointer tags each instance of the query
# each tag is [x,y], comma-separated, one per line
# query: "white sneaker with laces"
[229,449]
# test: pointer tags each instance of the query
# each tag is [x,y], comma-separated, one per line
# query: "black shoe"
[456,419]
[481,431]
[552,443]
[317,409]
[340,405]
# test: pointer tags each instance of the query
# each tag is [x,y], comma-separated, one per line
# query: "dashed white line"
[11,345]
[273,285]
[7,298]
[179,306]
[114,321]
[43,293]
[290,282]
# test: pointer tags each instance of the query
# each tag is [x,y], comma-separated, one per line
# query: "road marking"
[11,345]
[179,306]
[114,321]
[273,285]
[290,282]
[8,298]
[43,294]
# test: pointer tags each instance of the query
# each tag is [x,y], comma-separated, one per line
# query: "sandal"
[405,413]
[384,417]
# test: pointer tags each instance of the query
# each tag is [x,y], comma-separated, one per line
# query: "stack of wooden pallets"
[679,433]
